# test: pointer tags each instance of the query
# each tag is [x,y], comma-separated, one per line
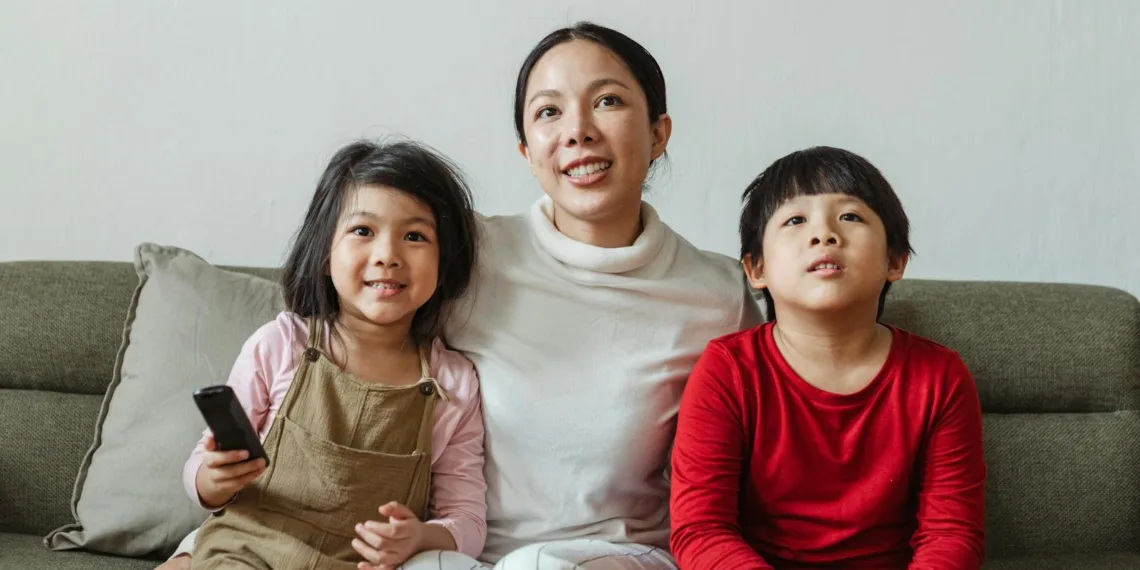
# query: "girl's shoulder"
[284,336]
[454,372]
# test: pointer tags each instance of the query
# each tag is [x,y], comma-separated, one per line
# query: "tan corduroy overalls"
[339,448]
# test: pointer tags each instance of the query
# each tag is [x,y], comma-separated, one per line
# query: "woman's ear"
[662,130]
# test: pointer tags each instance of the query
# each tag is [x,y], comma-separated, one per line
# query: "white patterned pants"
[580,554]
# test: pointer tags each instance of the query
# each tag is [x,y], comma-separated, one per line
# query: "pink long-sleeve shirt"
[261,377]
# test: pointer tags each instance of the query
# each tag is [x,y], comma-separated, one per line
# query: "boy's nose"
[825,236]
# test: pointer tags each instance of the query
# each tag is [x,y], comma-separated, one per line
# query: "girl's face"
[589,139]
[384,262]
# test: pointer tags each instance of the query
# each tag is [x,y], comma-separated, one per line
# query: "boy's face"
[824,253]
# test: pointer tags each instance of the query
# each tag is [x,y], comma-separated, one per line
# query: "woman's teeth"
[588,169]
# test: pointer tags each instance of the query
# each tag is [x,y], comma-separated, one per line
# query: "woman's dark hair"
[410,167]
[639,61]
[820,170]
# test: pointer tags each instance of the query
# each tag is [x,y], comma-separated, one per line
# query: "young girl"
[370,424]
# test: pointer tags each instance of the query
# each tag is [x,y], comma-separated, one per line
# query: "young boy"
[824,439]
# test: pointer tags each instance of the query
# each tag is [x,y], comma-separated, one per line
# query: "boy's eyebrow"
[595,84]
[411,220]
[847,198]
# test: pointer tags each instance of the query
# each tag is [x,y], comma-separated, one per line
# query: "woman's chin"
[594,204]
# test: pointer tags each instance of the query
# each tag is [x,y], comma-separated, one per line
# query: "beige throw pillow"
[184,329]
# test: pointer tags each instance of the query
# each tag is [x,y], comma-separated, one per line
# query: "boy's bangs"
[804,176]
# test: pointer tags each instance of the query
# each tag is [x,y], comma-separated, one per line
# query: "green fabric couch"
[1057,366]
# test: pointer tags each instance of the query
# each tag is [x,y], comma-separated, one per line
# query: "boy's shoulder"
[744,339]
[925,349]
[930,360]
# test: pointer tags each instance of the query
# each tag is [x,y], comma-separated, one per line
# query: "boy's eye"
[362,231]
[415,236]
[850,217]
[546,112]
[795,221]
[609,101]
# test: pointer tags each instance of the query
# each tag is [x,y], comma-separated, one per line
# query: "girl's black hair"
[820,170]
[410,167]
[639,61]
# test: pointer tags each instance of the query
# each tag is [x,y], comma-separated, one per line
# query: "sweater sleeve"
[708,459]
[250,379]
[951,495]
[458,488]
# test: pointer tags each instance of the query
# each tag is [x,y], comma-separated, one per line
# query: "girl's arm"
[951,493]
[708,458]
[250,378]
[458,503]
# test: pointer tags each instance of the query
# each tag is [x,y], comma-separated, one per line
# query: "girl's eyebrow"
[412,220]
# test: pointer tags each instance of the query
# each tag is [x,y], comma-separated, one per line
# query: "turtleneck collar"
[592,258]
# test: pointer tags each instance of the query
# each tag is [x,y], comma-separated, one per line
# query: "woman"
[586,316]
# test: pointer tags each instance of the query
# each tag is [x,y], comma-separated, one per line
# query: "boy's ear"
[754,271]
[896,266]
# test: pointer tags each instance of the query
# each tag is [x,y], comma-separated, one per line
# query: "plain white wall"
[1011,130]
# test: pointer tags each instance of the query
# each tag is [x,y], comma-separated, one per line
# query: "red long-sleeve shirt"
[769,471]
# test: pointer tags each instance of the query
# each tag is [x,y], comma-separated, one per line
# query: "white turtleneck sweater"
[582,354]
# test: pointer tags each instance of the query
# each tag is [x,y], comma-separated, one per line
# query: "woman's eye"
[850,217]
[546,112]
[795,221]
[609,101]
[362,231]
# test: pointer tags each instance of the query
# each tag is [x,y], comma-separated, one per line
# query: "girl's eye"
[362,231]
[609,101]
[850,217]
[415,236]
[795,221]
[546,112]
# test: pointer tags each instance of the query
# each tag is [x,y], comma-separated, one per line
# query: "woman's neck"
[617,230]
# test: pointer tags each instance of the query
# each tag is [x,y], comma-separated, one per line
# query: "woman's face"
[589,138]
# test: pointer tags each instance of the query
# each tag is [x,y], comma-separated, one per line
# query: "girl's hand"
[222,474]
[386,545]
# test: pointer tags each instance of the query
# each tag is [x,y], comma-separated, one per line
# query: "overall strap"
[425,372]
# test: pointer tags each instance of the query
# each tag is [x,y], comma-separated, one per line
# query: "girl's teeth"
[588,169]
[384,285]
[827,266]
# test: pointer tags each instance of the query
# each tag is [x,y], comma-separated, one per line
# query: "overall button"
[311,354]
[427,389]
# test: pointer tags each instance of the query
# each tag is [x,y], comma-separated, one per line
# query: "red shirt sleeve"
[708,455]
[951,494]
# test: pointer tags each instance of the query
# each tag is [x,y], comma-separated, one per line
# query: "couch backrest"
[1058,373]
[61,326]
